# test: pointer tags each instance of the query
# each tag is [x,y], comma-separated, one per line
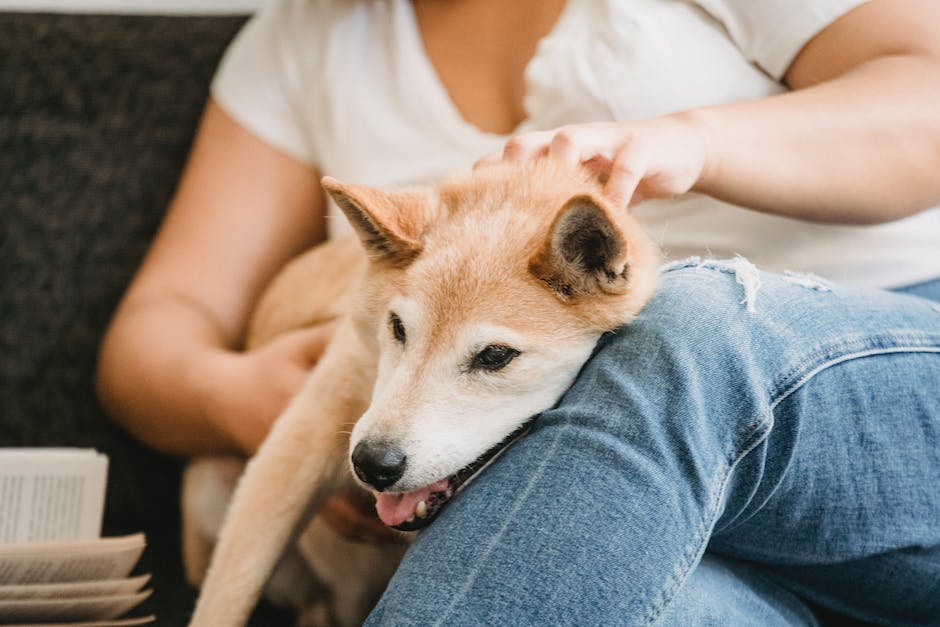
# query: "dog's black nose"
[378,464]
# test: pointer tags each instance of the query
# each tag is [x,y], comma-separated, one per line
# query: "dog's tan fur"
[535,251]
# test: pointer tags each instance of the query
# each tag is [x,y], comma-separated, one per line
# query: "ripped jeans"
[754,449]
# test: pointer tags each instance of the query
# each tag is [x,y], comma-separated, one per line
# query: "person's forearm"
[862,148]
[154,376]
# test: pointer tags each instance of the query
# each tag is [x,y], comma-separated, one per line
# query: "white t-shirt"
[346,85]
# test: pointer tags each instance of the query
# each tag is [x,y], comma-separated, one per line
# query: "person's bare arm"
[857,141]
[169,370]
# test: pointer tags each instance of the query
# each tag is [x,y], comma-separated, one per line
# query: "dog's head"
[484,298]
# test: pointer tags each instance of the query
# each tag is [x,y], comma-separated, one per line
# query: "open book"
[55,569]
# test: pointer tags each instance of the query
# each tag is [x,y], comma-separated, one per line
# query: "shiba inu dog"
[465,310]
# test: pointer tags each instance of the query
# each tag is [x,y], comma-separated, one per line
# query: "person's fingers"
[567,146]
[592,146]
[527,146]
[518,149]
[489,160]
[610,152]
[626,171]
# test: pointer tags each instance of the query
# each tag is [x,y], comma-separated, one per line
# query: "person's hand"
[249,390]
[659,158]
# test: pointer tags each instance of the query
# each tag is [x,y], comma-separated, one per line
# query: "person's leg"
[928,289]
[722,592]
[683,425]
[860,496]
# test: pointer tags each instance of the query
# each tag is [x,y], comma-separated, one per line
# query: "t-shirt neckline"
[434,92]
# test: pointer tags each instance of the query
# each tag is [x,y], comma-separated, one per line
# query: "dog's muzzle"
[380,466]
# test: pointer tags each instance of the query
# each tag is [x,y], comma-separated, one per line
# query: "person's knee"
[698,313]
[685,362]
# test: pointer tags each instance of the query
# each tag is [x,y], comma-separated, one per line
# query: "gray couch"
[96,117]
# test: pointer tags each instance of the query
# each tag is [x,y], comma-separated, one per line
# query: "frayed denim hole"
[746,274]
[682,264]
[807,280]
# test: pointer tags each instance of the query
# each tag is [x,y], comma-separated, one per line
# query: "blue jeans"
[741,454]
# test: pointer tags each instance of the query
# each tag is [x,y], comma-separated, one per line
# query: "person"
[760,445]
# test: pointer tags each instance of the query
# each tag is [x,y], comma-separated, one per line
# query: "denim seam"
[824,353]
[809,368]
[757,433]
[488,550]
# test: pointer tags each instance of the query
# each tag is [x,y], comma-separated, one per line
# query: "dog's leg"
[208,484]
[295,470]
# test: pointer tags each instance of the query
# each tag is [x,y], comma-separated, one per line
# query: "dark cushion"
[96,118]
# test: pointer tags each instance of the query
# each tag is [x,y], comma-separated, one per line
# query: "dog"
[464,310]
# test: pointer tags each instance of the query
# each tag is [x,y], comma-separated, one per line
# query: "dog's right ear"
[585,252]
[389,233]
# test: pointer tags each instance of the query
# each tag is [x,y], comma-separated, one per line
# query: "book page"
[51,494]
[60,562]
[94,608]
[106,587]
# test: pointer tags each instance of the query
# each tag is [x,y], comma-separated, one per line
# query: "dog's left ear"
[389,225]
[585,252]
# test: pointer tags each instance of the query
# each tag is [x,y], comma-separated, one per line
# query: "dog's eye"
[494,357]
[398,329]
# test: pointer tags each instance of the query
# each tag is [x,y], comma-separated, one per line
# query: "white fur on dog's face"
[441,411]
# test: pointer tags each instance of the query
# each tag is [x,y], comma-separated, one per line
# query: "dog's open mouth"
[410,511]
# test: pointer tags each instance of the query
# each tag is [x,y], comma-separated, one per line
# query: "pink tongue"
[394,508]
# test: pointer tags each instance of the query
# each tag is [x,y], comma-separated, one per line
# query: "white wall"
[133,6]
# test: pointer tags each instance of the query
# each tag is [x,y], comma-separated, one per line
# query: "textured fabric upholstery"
[96,117]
